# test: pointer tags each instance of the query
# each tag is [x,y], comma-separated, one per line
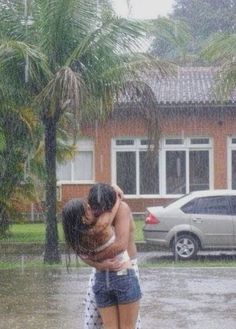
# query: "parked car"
[197,221]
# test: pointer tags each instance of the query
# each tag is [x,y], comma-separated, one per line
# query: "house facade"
[196,145]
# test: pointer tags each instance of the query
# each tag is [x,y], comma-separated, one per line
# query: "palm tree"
[171,39]
[221,50]
[73,58]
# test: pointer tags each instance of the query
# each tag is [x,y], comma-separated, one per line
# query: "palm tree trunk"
[52,254]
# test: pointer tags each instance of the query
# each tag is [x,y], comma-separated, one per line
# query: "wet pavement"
[173,298]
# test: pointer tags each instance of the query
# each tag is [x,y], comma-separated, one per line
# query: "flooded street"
[173,298]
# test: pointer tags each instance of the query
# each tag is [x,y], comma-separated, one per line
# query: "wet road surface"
[173,298]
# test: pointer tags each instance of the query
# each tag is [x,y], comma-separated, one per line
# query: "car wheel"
[185,247]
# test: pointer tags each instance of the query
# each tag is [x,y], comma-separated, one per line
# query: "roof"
[194,85]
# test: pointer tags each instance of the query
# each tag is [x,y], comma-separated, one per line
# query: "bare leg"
[110,317]
[128,314]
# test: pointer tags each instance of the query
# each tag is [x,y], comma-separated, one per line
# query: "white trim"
[230,147]
[153,196]
[75,182]
[229,162]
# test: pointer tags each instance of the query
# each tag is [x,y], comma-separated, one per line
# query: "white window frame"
[230,147]
[187,147]
[163,148]
[83,145]
[136,148]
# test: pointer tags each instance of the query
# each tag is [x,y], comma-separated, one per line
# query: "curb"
[36,248]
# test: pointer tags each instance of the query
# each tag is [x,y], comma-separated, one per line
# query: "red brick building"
[197,145]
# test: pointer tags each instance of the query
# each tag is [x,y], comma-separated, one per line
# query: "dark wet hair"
[101,198]
[72,214]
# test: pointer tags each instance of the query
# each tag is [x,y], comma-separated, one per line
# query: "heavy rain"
[138,96]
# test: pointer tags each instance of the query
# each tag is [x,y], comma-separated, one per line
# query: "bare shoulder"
[123,214]
[124,207]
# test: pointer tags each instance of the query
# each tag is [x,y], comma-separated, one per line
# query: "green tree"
[206,17]
[73,58]
[170,39]
[221,49]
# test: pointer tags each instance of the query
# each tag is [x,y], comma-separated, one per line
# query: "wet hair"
[101,198]
[72,214]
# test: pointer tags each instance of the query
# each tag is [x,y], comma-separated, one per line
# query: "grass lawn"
[35,232]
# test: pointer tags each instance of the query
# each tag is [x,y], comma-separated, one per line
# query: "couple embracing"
[100,230]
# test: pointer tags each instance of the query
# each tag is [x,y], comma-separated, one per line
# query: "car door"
[213,218]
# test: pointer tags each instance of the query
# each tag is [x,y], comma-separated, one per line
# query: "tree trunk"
[52,254]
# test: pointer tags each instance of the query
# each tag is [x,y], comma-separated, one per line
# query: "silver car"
[199,220]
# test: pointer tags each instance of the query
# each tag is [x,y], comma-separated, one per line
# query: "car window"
[217,205]
[188,208]
[233,204]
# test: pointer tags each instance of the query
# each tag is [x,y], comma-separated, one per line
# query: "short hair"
[72,214]
[101,198]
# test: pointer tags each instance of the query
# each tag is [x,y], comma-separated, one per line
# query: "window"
[180,166]
[188,208]
[187,166]
[80,168]
[217,205]
[175,172]
[126,171]
[233,205]
[198,170]
[136,169]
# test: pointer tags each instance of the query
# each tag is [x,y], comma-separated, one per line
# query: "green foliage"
[221,49]
[170,38]
[14,185]
[204,18]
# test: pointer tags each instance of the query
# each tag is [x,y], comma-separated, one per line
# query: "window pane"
[233,204]
[64,171]
[125,142]
[83,165]
[188,208]
[126,171]
[149,173]
[198,170]
[233,170]
[174,141]
[175,172]
[213,205]
[199,140]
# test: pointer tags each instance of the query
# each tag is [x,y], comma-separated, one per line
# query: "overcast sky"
[144,8]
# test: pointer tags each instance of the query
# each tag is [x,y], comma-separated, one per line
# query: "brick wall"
[203,122]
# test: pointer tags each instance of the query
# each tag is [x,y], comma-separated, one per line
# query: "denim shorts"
[113,288]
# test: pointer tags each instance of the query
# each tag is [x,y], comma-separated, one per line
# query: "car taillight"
[151,219]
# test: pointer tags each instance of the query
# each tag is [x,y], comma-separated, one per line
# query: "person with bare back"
[101,232]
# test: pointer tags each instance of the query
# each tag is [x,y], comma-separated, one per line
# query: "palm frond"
[115,34]
[225,81]
[220,47]
[65,90]
[13,57]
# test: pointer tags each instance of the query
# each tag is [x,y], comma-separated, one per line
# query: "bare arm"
[122,232]
[107,217]
[118,190]
[108,264]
